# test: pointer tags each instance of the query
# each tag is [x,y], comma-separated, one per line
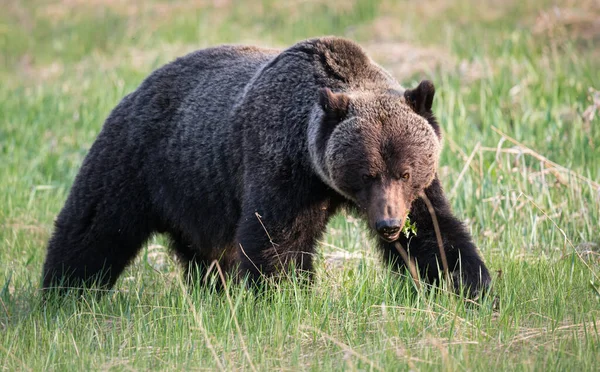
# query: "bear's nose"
[388,228]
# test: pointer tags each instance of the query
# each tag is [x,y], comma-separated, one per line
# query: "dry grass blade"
[215,264]
[4,308]
[567,240]
[249,259]
[410,263]
[544,159]
[438,235]
[343,346]
[273,249]
[464,170]
[199,322]
[8,354]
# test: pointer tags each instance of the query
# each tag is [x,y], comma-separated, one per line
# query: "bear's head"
[379,149]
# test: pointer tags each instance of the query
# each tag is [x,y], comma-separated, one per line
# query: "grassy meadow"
[518,96]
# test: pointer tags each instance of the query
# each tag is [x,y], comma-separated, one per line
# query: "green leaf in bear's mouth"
[410,228]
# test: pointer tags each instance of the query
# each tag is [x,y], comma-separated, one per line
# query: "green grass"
[525,70]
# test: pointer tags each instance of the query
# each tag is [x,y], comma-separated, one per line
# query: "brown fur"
[214,138]
[382,140]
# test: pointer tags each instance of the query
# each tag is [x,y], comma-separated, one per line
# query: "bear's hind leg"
[92,243]
[195,265]
[199,261]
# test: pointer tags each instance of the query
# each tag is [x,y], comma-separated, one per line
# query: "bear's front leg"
[465,264]
[281,232]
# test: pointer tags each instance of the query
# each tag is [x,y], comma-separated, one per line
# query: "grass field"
[519,100]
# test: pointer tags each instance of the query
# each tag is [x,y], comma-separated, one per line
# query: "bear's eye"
[368,177]
[405,176]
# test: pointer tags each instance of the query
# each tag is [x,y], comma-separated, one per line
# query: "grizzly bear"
[242,154]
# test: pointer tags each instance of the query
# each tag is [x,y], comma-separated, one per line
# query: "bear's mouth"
[390,237]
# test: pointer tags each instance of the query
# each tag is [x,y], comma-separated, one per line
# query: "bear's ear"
[335,105]
[421,98]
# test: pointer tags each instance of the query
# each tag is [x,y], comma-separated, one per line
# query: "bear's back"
[197,121]
[205,78]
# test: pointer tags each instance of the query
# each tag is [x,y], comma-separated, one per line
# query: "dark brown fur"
[241,155]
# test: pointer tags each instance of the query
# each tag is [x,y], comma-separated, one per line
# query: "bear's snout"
[387,209]
[388,229]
